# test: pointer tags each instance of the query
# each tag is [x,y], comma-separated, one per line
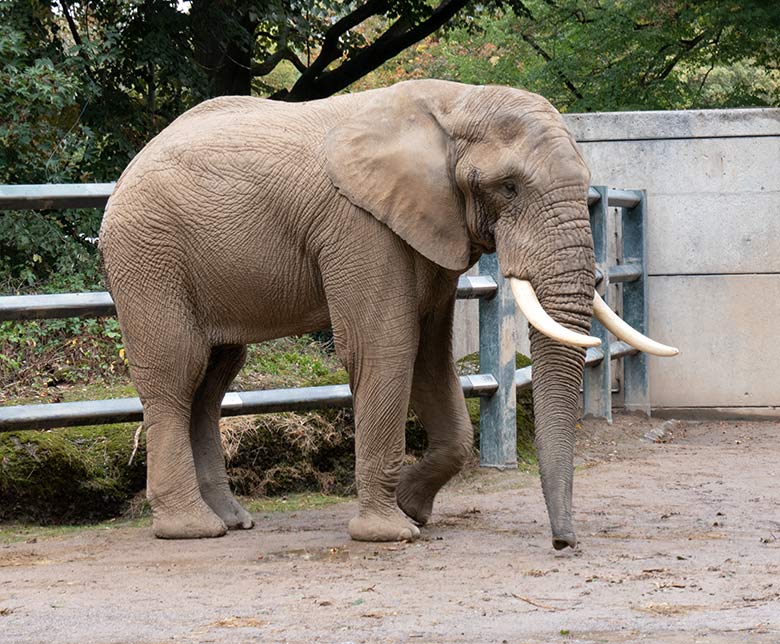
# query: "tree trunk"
[223,37]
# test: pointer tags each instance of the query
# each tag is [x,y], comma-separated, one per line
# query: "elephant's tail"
[102,236]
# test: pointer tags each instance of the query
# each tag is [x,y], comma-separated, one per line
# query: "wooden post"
[497,347]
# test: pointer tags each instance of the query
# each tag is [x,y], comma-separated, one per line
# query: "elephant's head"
[457,170]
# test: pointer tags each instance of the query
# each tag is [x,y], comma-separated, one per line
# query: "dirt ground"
[679,542]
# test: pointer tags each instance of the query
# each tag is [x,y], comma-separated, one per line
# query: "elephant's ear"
[393,158]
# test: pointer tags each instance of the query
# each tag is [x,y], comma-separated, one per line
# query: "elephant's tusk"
[623,331]
[538,318]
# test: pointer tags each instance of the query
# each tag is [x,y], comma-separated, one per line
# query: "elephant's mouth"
[529,304]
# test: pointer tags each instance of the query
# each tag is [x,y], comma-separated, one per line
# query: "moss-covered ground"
[86,474]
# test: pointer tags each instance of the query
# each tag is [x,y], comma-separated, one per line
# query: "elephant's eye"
[508,189]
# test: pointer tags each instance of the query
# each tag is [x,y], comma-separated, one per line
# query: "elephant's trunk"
[557,261]
[557,377]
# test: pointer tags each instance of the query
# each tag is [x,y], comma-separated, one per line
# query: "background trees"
[84,84]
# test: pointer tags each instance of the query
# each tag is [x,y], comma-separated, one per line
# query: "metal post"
[497,346]
[636,384]
[597,381]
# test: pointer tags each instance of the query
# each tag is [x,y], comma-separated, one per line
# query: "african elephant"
[248,219]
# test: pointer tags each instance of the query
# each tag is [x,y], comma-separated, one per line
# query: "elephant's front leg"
[437,399]
[381,399]
[376,330]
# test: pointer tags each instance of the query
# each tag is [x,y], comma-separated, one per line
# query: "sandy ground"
[679,542]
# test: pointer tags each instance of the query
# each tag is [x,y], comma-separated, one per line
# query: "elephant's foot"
[372,527]
[198,522]
[228,509]
[415,497]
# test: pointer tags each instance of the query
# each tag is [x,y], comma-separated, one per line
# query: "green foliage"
[591,55]
[42,354]
[75,108]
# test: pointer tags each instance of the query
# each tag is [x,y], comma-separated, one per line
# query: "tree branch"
[548,59]
[71,23]
[391,43]
[77,38]
[518,5]
[331,50]
[270,63]
[685,47]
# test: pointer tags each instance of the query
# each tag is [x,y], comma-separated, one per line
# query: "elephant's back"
[220,203]
[230,146]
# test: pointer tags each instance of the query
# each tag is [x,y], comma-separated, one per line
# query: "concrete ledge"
[674,124]
[718,413]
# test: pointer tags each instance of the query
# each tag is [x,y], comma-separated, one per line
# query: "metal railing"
[496,385]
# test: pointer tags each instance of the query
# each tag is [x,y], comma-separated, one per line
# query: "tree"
[322,39]
[85,83]
[587,55]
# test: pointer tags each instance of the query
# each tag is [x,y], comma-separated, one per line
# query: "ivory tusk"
[529,304]
[623,331]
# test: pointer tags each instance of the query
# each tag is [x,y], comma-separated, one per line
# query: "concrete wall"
[713,184]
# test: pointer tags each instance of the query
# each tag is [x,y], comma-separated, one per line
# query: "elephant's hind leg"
[437,399]
[224,363]
[167,368]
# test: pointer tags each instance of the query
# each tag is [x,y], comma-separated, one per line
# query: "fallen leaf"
[667,609]
[237,622]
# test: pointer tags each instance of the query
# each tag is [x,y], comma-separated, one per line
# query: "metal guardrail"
[59,196]
[495,386]
[100,304]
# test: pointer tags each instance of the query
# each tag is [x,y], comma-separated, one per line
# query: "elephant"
[248,219]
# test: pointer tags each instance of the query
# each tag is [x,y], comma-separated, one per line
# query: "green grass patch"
[13,531]
[292,502]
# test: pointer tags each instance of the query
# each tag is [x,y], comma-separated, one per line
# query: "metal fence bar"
[497,348]
[55,196]
[471,287]
[620,273]
[617,198]
[99,304]
[624,198]
[593,357]
[636,391]
[236,403]
[597,381]
[60,305]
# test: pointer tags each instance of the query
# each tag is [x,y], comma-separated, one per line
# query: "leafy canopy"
[588,55]
[85,83]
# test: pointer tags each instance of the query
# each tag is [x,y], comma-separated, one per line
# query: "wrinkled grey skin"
[247,220]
